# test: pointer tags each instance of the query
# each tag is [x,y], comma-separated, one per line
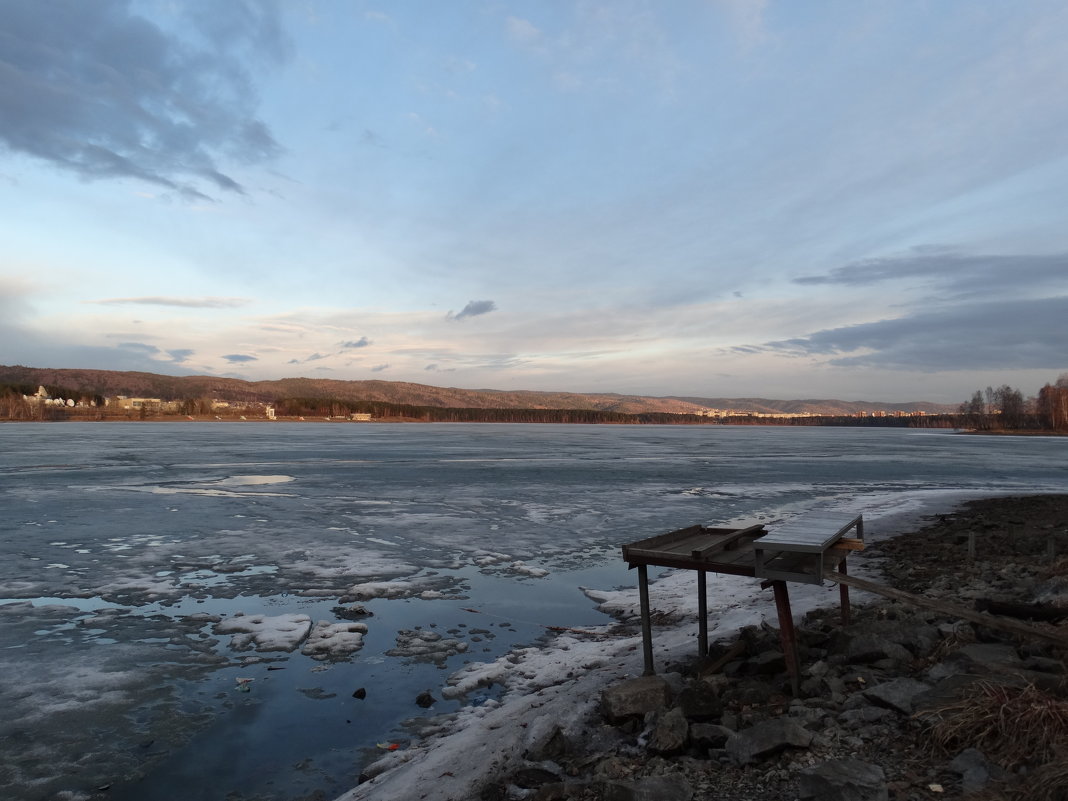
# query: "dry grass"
[1011,725]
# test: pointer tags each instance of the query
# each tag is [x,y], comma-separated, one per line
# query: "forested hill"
[151,385]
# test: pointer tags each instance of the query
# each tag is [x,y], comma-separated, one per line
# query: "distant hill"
[825,407]
[151,385]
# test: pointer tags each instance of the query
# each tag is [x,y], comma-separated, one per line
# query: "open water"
[122,545]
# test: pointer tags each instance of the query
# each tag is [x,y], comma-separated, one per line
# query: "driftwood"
[1006,625]
[1047,614]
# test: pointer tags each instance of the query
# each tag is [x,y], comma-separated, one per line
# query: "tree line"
[1005,409]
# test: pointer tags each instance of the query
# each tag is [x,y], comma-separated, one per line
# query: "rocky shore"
[903,703]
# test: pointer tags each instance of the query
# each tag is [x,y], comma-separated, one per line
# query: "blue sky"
[861,200]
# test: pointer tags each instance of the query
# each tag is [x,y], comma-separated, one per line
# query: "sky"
[718,198]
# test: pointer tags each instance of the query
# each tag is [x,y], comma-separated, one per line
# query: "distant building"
[360,417]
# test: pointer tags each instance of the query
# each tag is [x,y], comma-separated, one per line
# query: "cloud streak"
[993,335]
[962,275]
[187,303]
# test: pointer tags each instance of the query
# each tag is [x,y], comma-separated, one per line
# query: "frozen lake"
[127,550]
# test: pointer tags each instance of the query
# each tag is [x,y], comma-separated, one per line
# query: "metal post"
[702,615]
[843,593]
[787,636]
[647,625]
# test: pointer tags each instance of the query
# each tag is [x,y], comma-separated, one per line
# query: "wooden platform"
[796,550]
[719,550]
[800,550]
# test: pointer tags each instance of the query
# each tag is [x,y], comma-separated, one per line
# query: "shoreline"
[559,687]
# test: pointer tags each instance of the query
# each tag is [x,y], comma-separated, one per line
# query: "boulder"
[699,701]
[670,732]
[653,788]
[843,780]
[635,697]
[868,648]
[767,738]
[709,735]
[551,746]
[975,770]
[768,663]
[898,694]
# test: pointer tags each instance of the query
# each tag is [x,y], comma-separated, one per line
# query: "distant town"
[102,395]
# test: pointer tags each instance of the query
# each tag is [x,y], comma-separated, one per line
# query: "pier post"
[647,624]
[787,635]
[702,614]
[843,593]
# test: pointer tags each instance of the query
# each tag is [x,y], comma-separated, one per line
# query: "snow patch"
[265,633]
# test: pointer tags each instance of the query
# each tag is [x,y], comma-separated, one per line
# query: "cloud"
[189,303]
[179,355]
[315,357]
[362,342]
[378,368]
[238,358]
[522,31]
[141,347]
[992,335]
[473,309]
[963,275]
[100,91]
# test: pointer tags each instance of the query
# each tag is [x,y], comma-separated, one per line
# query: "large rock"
[653,788]
[898,694]
[552,745]
[670,732]
[635,697]
[975,770]
[767,738]
[868,648]
[709,735]
[843,780]
[699,701]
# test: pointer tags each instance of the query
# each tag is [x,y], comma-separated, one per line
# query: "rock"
[765,739]
[653,788]
[709,735]
[768,663]
[843,780]
[975,770]
[868,648]
[670,732]
[529,778]
[990,654]
[897,694]
[360,693]
[699,701]
[635,697]
[560,791]
[425,699]
[862,716]
[551,747]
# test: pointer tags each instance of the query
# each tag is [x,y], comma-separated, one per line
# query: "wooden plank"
[726,541]
[848,544]
[953,610]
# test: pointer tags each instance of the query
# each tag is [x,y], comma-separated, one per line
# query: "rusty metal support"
[787,635]
[647,623]
[843,593]
[702,614]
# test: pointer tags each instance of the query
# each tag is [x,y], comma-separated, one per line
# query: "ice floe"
[265,633]
[334,640]
[426,646]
